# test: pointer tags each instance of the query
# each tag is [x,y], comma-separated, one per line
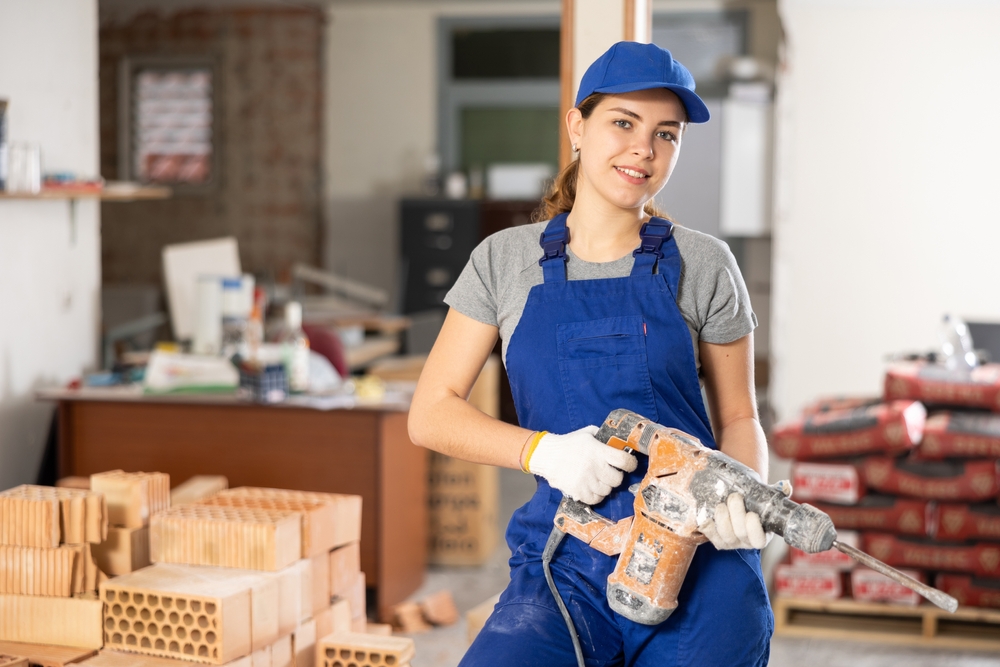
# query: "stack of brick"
[244,574]
[48,576]
[132,499]
[922,491]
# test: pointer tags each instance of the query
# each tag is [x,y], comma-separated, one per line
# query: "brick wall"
[268,186]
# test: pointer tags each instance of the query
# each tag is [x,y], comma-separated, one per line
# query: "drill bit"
[941,599]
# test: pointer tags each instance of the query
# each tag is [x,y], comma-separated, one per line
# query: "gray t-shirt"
[711,296]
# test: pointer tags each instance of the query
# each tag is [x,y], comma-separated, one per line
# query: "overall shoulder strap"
[553,242]
[652,236]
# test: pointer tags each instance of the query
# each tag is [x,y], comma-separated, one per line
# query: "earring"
[575,149]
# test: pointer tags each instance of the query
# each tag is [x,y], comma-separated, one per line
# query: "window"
[499,92]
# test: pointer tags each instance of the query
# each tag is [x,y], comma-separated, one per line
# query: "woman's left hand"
[732,527]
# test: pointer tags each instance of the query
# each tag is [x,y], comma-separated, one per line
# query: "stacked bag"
[918,492]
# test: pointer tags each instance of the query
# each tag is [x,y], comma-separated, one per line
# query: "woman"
[623,310]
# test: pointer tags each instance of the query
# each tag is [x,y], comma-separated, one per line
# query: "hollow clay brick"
[201,614]
[336,618]
[48,620]
[304,644]
[439,608]
[357,596]
[46,655]
[359,624]
[238,537]
[261,657]
[407,617]
[329,520]
[281,653]
[320,581]
[125,550]
[45,516]
[132,497]
[304,568]
[35,571]
[345,564]
[13,661]
[74,483]
[197,488]
[289,599]
[344,648]
[383,629]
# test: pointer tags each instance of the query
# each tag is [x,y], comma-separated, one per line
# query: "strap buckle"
[651,237]
[553,247]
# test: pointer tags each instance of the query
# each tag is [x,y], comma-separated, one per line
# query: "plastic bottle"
[957,352]
[295,349]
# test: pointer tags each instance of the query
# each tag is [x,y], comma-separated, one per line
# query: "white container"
[208,322]
[517,181]
[24,168]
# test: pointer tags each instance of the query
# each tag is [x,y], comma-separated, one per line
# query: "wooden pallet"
[969,628]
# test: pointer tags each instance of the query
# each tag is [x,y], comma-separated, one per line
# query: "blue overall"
[581,349]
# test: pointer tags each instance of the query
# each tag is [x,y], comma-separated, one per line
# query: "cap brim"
[696,110]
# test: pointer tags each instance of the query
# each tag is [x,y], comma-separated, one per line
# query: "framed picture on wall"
[168,122]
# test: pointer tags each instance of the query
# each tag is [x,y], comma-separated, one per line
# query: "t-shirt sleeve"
[474,293]
[723,303]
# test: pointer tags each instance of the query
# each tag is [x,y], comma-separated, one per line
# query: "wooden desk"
[363,451]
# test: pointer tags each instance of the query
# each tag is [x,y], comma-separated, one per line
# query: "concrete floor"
[444,647]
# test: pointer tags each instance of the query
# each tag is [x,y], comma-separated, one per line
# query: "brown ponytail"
[562,192]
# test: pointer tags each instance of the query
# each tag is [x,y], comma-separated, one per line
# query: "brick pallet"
[970,628]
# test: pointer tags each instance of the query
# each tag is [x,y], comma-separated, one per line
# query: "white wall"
[382,89]
[887,214]
[49,271]
[380,120]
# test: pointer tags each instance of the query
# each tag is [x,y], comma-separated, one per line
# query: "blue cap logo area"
[629,66]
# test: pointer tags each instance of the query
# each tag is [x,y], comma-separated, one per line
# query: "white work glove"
[732,527]
[580,465]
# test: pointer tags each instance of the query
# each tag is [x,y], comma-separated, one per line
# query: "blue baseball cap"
[629,66]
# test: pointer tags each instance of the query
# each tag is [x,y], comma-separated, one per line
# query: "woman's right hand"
[580,465]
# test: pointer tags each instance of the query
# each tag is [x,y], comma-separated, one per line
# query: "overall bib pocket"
[603,366]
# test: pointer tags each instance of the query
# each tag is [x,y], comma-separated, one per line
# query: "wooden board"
[45,655]
[970,628]
[110,658]
[255,539]
[55,621]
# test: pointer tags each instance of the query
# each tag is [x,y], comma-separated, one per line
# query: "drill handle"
[620,424]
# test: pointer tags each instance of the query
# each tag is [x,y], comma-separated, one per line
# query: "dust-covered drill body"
[683,485]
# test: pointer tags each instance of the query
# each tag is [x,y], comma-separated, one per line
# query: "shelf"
[113,191]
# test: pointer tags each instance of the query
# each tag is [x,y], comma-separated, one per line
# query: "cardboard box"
[831,557]
[867,585]
[884,514]
[885,427]
[937,385]
[832,482]
[815,582]
[982,559]
[961,435]
[464,499]
[972,481]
